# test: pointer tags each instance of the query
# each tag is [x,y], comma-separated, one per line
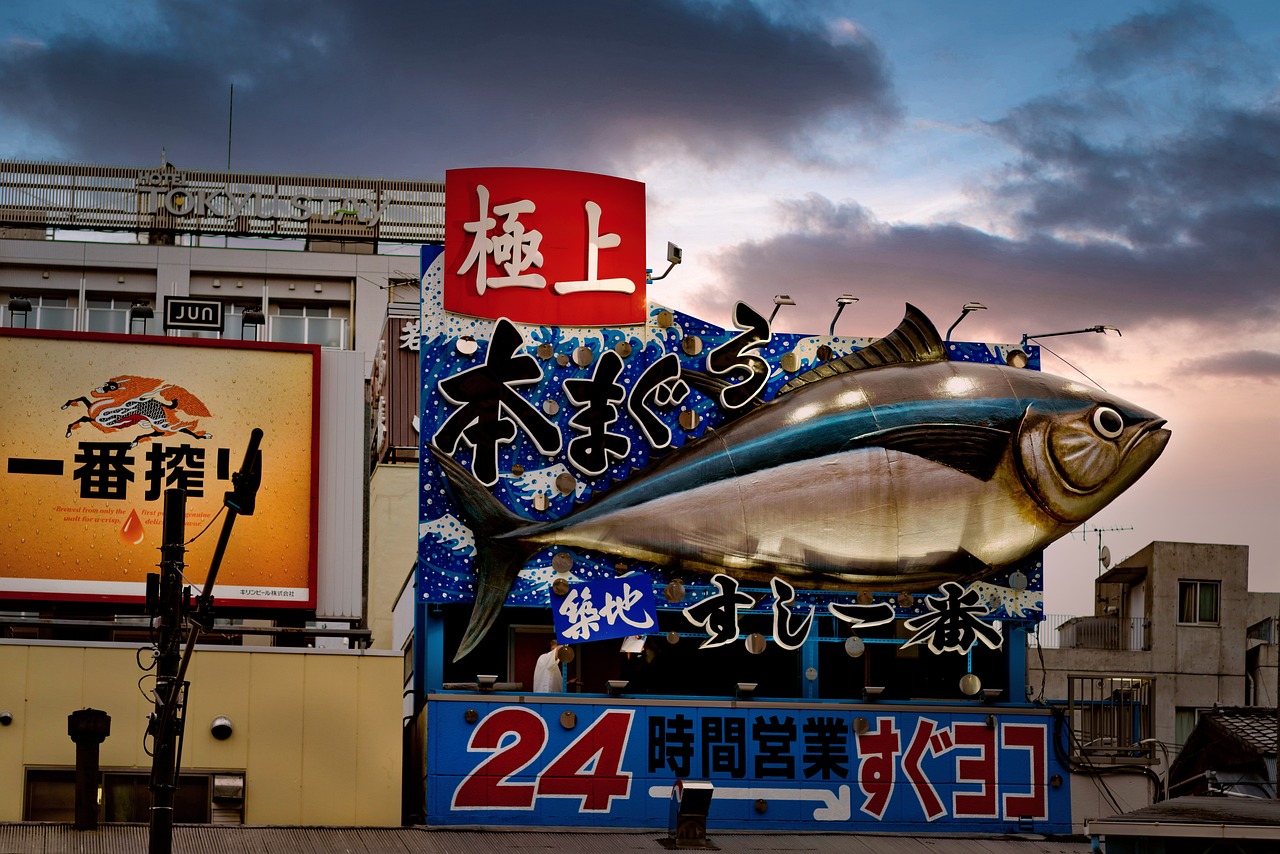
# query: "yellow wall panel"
[13,682]
[55,677]
[273,789]
[377,786]
[316,734]
[329,703]
[109,681]
[219,686]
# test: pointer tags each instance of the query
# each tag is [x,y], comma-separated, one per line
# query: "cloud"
[1108,218]
[408,89]
[1240,364]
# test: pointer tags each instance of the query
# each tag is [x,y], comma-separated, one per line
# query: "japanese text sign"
[821,767]
[608,608]
[544,246]
[100,426]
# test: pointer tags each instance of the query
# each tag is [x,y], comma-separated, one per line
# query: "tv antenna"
[1104,553]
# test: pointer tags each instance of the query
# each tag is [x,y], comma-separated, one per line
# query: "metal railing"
[1064,631]
[188,201]
[1110,719]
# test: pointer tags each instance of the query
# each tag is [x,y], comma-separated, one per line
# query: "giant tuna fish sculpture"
[891,468]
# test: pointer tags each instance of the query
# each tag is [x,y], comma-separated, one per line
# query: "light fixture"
[1101,330]
[217,283]
[486,682]
[1018,358]
[221,728]
[616,687]
[964,312]
[841,302]
[120,279]
[871,693]
[674,257]
[293,286]
[45,274]
[745,690]
[990,695]
[239,284]
[319,288]
[140,310]
[778,302]
[252,317]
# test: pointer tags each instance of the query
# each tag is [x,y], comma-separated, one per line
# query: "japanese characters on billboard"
[830,768]
[544,246]
[800,474]
[97,427]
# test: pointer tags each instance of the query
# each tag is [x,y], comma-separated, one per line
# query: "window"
[123,796]
[46,313]
[308,324]
[1185,720]
[1198,602]
[108,315]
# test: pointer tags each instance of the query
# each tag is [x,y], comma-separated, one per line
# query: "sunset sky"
[1100,163]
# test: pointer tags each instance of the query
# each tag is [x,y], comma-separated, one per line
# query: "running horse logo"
[126,401]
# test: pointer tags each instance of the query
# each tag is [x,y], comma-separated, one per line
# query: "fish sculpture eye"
[1108,422]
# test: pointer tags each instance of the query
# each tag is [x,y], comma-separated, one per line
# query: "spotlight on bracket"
[778,302]
[871,693]
[674,257]
[745,690]
[486,682]
[616,687]
[841,302]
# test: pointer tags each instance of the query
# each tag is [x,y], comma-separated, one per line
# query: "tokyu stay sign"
[192,313]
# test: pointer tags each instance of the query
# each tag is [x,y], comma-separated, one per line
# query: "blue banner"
[811,767]
[608,608]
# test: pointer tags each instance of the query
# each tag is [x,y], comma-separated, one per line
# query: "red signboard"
[544,246]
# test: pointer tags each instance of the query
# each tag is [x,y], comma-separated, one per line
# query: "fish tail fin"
[497,562]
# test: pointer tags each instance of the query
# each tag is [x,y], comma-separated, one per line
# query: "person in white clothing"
[547,678]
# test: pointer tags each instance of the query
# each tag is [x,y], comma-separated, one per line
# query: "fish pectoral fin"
[969,448]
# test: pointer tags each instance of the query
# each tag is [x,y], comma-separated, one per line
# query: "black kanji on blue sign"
[596,401]
[658,388]
[954,622]
[718,613]
[731,358]
[489,408]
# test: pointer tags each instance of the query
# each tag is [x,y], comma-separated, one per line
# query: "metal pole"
[165,719]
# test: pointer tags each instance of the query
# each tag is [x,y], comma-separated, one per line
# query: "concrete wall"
[393,544]
[317,733]
[357,283]
[1193,665]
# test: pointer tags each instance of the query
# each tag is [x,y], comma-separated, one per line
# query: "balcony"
[1110,719]
[1063,631]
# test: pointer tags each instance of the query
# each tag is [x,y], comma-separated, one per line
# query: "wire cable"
[1071,366]
[224,507]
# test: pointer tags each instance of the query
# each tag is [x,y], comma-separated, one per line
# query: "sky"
[1067,165]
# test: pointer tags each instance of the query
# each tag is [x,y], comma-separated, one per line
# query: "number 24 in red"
[588,769]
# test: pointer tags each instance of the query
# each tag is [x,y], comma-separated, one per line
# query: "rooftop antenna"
[1104,553]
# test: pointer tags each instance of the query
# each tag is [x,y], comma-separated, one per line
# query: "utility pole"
[169,610]
[169,603]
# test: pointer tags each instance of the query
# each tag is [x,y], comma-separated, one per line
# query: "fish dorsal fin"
[915,340]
